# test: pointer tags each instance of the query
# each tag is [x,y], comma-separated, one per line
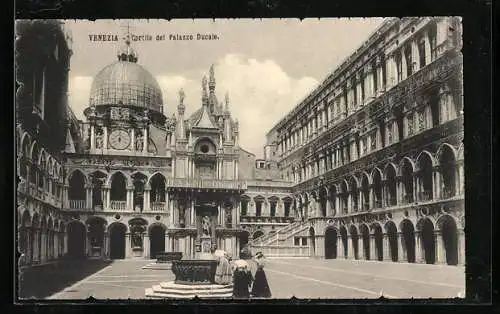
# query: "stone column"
[130,198]
[65,195]
[192,214]
[440,250]
[108,197]
[43,249]
[337,204]
[105,253]
[147,202]
[427,45]
[350,245]
[415,56]
[55,248]
[369,83]
[340,247]
[373,246]
[404,71]
[386,248]
[419,253]
[92,137]
[145,246]
[416,186]
[436,184]
[105,140]
[361,248]
[399,190]
[132,139]
[88,195]
[402,249]
[461,247]
[145,140]
[328,207]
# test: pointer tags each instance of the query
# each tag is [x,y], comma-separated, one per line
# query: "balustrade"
[206,183]
[118,205]
[77,204]
[157,206]
[266,219]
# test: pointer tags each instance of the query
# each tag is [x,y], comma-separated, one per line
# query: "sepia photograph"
[240,159]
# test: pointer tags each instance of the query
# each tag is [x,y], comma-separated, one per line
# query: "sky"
[266,66]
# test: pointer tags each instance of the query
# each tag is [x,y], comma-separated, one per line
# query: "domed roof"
[126,83]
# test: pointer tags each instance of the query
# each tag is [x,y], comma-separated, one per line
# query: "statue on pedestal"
[99,140]
[206,226]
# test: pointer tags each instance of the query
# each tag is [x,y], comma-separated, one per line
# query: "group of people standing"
[245,285]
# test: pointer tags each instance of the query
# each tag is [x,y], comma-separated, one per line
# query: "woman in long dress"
[260,288]
[223,273]
[242,280]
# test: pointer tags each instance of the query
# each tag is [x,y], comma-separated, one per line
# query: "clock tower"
[125,109]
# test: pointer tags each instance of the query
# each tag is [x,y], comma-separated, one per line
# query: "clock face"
[119,139]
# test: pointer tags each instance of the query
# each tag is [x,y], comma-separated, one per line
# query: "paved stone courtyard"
[302,278]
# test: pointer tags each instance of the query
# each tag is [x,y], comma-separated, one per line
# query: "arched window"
[98,180]
[273,203]
[244,205]
[448,171]
[139,181]
[407,177]
[365,192]
[158,188]
[344,196]
[76,190]
[118,187]
[354,194]
[259,201]
[425,177]
[377,189]
[390,186]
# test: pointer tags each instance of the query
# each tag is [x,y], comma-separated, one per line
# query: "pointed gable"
[204,120]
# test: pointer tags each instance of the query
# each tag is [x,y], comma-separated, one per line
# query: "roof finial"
[127,53]
[211,82]
[182,95]
[227,101]
[127,37]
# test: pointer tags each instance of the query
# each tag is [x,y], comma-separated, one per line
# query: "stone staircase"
[280,234]
[171,290]
[281,243]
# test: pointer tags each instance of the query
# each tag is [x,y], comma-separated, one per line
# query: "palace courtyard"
[302,278]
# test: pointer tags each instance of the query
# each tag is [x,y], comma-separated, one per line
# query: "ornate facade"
[375,153]
[368,166]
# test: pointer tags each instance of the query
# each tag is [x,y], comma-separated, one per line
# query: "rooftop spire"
[181,106]
[227,102]
[204,95]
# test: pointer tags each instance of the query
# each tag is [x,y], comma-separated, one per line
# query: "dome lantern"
[126,52]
